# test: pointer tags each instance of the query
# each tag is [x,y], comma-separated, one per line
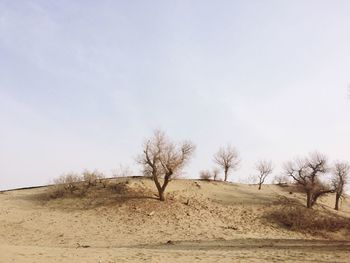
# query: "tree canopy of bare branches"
[339,180]
[306,173]
[163,159]
[227,158]
[264,168]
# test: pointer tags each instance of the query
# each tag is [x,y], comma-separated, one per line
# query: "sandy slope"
[129,224]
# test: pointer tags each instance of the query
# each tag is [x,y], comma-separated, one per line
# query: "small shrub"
[68,181]
[56,191]
[205,175]
[92,178]
[63,185]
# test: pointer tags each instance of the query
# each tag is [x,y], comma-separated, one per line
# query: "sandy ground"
[200,222]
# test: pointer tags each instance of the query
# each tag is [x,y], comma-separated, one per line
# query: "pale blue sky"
[82,83]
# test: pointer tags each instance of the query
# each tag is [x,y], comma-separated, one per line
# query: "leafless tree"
[264,168]
[215,173]
[306,173]
[227,158]
[162,159]
[339,180]
[281,179]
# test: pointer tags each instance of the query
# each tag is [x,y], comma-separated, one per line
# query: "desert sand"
[200,221]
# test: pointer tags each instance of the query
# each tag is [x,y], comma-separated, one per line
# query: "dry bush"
[72,184]
[104,182]
[210,175]
[298,218]
[119,188]
[70,181]
[63,185]
[205,175]
[92,178]
[55,191]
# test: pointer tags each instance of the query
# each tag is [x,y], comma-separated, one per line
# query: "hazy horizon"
[83,83]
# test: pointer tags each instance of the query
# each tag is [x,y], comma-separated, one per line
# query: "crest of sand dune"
[127,222]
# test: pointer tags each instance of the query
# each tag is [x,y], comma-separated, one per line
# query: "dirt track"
[242,250]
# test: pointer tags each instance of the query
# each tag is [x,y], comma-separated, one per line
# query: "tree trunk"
[159,188]
[337,197]
[161,195]
[259,186]
[226,171]
[308,199]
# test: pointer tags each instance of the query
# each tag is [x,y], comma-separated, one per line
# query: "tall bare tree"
[163,159]
[306,173]
[339,180]
[227,158]
[264,168]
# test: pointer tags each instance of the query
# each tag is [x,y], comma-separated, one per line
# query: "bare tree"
[264,168]
[306,173]
[227,158]
[281,179]
[162,159]
[339,180]
[215,173]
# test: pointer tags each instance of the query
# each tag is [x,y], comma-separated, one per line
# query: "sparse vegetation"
[227,158]
[298,218]
[74,184]
[65,184]
[162,160]
[91,178]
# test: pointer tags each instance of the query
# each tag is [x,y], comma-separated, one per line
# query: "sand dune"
[200,221]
